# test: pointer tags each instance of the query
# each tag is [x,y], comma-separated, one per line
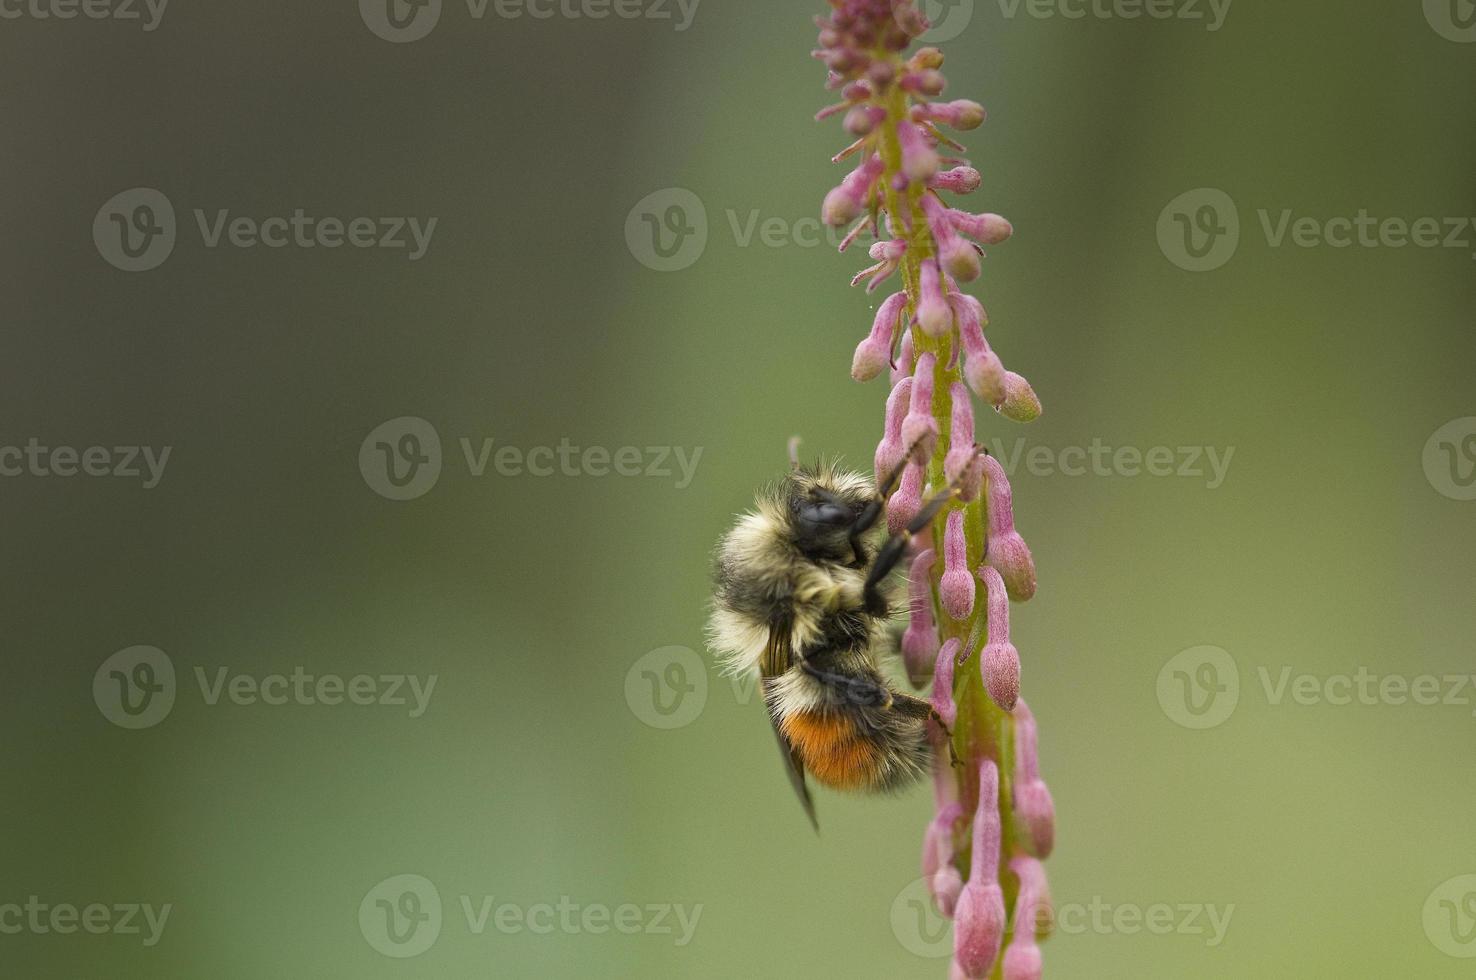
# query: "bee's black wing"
[776,661]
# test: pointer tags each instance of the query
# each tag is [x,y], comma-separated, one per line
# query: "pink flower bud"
[961,114]
[962,467]
[846,202]
[907,502]
[862,119]
[944,881]
[919,159]
[926,82]
[920,641]
[957,255]
[982,368]
[1000,660]
[920,429]
[934,314]
[890,451]
[1022,961]
[1020,402]
[959,180]
[979,919]
[887,256]
[925,59]
[903,367]
[956,590]
[1034,808]
[874,354]
[1006,550]
[943,684]
[990,229]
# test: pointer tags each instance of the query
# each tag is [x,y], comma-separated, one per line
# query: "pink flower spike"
[1034,807]
[903,367]
[1007,551]
[920,641]
[982,368]
[1022,961]
[955,252]
[990,229]
[944,881]
[959,180]
[919,159]
[890,451]
[874,354]
[907,502]
[845,203]
[943,685]
[979,920]
[961,114]
[999,659]
[920,429]
[956,590]
[934,314]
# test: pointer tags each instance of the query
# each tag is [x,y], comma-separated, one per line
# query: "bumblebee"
[801,598]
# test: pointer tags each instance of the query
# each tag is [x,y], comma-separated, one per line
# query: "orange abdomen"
[834,750]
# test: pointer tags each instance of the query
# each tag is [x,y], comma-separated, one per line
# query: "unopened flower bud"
[959,180]
[961,114]
[1034,809]
[846,202]
[934,313]
[926,82]
[920,641]
[919,159]
[979,919]
[874,354]
[943,682]
[903,367]
[982,368]
[1022,961]
[907,502]
[990,229]
[926,59]
[960,258]
[862,119]
[890,451]
[1007,551]
[1020,402]
[961,448]
[920,429]
[999,659]
[956,589]
[944,881]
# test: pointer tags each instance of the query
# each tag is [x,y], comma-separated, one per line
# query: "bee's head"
[824,505]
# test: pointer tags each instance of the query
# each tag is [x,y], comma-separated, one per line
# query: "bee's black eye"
[824,514]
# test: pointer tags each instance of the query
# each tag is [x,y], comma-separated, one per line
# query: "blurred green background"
[547,607]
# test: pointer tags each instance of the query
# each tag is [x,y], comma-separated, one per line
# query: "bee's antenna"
[794,444]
